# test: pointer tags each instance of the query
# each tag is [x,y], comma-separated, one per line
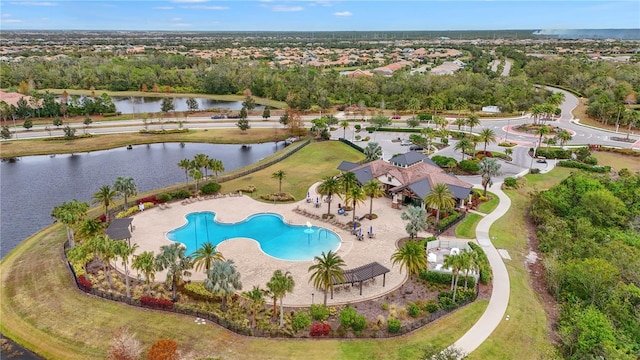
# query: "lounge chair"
[371,235]
[360,237]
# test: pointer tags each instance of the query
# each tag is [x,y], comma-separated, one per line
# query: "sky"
[317,15]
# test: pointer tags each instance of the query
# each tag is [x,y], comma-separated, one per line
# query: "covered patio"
[362,274]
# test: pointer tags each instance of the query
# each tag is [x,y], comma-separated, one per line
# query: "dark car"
[218,116]
[395,117]
[542,160]
[416,148]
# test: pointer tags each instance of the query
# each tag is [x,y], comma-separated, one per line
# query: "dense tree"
[70,214]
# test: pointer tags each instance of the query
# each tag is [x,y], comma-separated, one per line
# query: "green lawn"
[488,206]
[42,310]
[466,229]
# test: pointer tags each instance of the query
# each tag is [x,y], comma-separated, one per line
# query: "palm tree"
[70,213]
[223,280]
[373,189]
[105,196]
[536,111]
[463,145]
[468,264]
[472,121]
[373,151]
[123,250]
[326,271]
[454,262]
[280,174]
[411,256]
[90,228]
[508,151]
[440,198]
[196,174]
[80,255]
[429,134]
[563,136]
[487,136]
[542,131]
[216,166]
[631,118]
[106,250]
[354,196]
[347,181]
[186,165]
[146,263]
[417,217]
[328,187]
[489,168]
[279,285]
[201,162]
[125,187]
[172,257]
[460,122]
[205,256]
[256,298]
[344,125]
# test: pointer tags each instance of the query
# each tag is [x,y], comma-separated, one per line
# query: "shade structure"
[120,229]
[363,273]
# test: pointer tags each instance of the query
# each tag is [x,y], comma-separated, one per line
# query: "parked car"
[395,117]
[405,142]
[542,160]
[416,148]
[218,116]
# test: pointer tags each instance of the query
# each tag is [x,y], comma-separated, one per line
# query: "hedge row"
[449,221]
[436,277]
[406,130]
[582,166]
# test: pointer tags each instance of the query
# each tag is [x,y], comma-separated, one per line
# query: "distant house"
[491,109]
[357,73]
[408,178]
[448,67]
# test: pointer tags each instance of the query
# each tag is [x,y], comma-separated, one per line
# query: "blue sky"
[316,15]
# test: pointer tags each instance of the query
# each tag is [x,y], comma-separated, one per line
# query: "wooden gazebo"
[361,274]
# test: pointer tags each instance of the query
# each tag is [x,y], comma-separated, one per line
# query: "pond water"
[33,185]
[130,105]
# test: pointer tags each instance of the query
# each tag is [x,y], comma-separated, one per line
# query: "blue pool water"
[277,239]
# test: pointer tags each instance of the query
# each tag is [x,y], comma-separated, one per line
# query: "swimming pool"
[274,236]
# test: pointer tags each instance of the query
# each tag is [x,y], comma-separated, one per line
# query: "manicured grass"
[488,206]
[314,162]
[524,336]
[42,310]
[617,161]
[466,229]
[103,142]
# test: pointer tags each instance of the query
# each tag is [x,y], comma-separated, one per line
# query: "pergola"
[120,229]
[361,274]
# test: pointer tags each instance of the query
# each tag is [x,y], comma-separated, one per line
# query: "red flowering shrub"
[151,198]
[320,329]
[102,218]
[156,303]
[84,283]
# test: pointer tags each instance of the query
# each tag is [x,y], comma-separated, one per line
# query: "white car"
[405,142]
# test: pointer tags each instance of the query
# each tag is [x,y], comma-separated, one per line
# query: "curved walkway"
[494,313]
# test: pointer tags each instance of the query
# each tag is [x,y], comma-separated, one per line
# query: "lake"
[131,105]
[33,185]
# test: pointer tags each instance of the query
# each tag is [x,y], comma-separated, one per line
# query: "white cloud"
[6,15]
[206,7]
[34,3]
[180,25]
[283,8]
[176,19]
[325,3]
[11,21]
[163,7]
[343,13]
[189,1]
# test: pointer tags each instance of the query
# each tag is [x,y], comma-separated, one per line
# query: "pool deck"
[256,268]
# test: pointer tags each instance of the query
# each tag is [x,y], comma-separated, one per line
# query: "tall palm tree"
[106,249]
[146,263]
[206,255]
[463,145]
[279,285]
[417,217]
[468,264]
[373,151]
[125,187]
[216,166]
[327,269]
[328,187]
[373,189]
[440,122]
[172,257]
[223,280]
[632,119]
[472,121]
[536,112]
[186,165]
[355,196]
[412,256]
[256,299]
[202,162]
[124,251]
[454,262]
[344,125]
[440,198]
[487,136]
[280,174]
[460,122]
[489,168]
[70,213]
[542,131]
[347,181]
[429,134]
[105,196]
[563,136]
[80,255]
[90,228]
[196,174]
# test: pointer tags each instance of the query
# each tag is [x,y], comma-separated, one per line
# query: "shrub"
[581,166]
[300,321]
[485,271]
[347,316]
[510,182]
[414,310]
[278,197]
[164,197]
[210,188]
[424,117]
[151,199]
[469,166]
[247,189]
[591,160]
[446,303]
[446,222]
[507,144]
[359,323]
[385,306]
[444,161]
[393,325]
[197,291]
[358,137]
[319,312]
[156,303]
[553,153]
[84,284]
[431,306]
[436,277]
[163,349]
[181,194]
[130,211]
[358,127]
[320,330]
[534,171]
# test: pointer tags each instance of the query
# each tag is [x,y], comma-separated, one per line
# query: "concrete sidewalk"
[494,313]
